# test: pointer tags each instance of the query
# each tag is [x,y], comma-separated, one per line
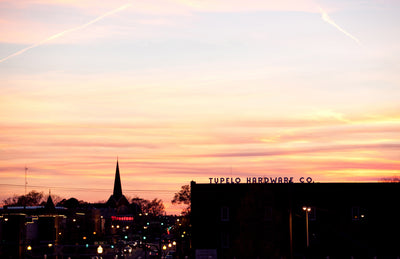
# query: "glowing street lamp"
[307,210]
[164,251]
[100,250]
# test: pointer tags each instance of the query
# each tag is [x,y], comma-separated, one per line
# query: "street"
[137,253]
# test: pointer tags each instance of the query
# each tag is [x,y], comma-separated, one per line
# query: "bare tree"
[183,196]
[11,200]
[33,198]
[154,207]
[394,179]
[141,203]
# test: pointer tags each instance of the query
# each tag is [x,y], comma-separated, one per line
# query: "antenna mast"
[26,182]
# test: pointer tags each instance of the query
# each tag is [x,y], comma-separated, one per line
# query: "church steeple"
[117,185]
[49,204]
[117,199]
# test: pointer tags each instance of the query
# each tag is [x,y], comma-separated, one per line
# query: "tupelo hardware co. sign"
[229,180]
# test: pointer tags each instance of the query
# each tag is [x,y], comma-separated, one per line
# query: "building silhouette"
[68,228]
[339,220]
[42,227]
[117,199]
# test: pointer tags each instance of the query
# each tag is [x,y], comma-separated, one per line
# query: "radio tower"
[26,182]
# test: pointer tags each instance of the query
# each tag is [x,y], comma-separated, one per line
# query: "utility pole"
[290,222]
[307,210]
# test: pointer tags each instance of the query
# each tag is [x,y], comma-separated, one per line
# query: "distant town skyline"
[183,90]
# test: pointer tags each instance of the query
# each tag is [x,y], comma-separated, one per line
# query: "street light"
[99,249]
[164,251]
[307,210]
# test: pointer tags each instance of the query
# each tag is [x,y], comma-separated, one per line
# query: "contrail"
[55,36]
[327,19]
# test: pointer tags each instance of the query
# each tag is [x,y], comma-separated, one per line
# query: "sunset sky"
[183,90]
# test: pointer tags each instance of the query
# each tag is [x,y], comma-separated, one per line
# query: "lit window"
[224,214]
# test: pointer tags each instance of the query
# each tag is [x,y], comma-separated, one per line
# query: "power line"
[87,189]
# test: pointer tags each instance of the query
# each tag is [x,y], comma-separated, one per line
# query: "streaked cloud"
[328,19]
[251,5]
[187,90]
[60,34]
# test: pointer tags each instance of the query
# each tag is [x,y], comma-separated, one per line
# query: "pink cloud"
[166,154]
[305,150]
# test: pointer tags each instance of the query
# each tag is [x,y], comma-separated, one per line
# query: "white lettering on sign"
[258,180]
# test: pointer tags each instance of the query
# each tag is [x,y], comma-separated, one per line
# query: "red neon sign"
[117,218]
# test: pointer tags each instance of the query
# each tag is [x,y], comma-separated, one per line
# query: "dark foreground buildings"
[73,229]
[296,220]
[229,220]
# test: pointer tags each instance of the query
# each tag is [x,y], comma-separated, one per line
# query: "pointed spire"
[117,184]
[49,204]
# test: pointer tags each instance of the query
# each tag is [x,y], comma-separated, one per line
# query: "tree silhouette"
[33,198]
[183,196]
[154,207]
